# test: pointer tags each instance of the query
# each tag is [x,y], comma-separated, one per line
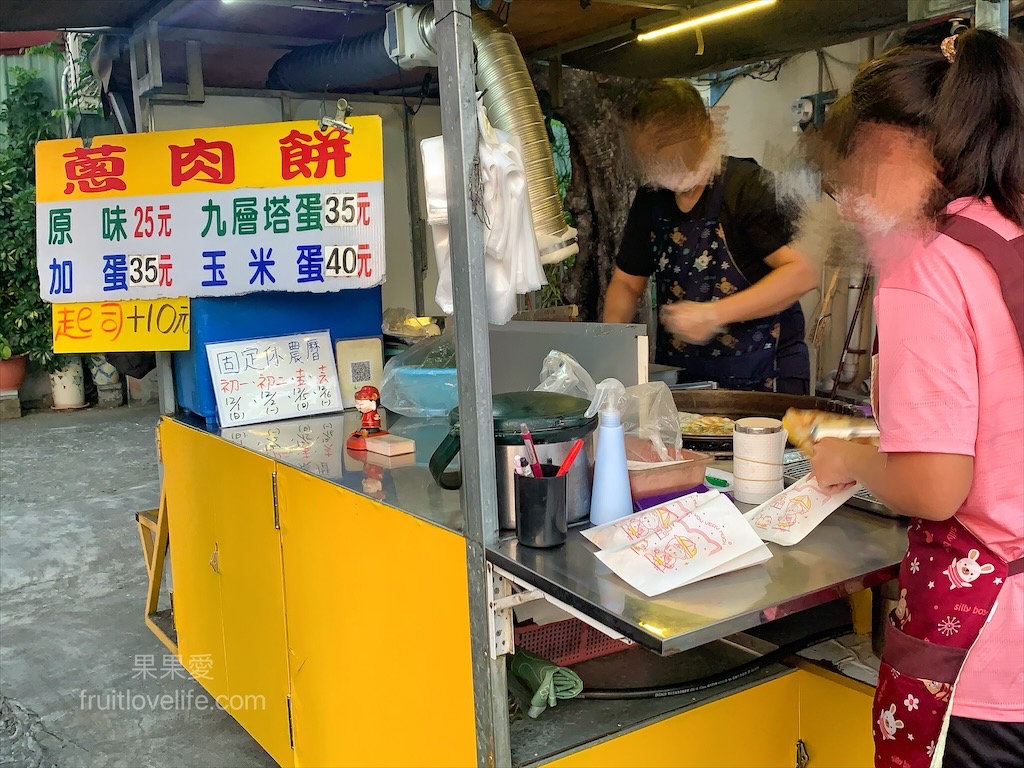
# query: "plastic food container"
[668,478]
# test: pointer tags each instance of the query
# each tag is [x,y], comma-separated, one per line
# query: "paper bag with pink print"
[789,516]
[710,539]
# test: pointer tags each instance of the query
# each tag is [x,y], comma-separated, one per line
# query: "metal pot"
[555,421]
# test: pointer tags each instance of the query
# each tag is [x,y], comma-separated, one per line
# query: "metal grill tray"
[796,466]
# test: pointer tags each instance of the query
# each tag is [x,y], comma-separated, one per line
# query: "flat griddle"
[740,405]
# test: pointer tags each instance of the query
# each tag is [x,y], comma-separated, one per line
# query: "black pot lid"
[546,414]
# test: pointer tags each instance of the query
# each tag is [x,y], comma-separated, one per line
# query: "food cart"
[375,627]
[382,629]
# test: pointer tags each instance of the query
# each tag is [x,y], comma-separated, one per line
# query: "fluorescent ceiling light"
[322,9]
[708,18]
[307,5]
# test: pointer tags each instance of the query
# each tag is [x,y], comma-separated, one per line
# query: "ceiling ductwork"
[502,76]
[350,64]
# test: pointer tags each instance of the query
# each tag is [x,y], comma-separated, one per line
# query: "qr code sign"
[361,372]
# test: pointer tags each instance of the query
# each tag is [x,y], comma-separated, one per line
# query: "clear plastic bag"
[421,381]
[651,423]
[561,373]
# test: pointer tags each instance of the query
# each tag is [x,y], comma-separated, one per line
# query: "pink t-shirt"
[951,380]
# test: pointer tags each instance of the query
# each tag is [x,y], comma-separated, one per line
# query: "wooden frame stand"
[152,526]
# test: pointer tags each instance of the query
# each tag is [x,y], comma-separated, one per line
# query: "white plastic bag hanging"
[435,192]
[511,257]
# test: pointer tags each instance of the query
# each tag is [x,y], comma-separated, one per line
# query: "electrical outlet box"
[404,39]
[810,110]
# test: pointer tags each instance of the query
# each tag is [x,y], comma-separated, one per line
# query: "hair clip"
[948,47]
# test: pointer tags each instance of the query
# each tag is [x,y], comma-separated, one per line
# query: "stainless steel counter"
[850,551]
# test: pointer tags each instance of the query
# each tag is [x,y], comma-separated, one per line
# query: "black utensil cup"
[541,509]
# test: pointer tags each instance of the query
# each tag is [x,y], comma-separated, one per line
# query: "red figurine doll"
[367,399]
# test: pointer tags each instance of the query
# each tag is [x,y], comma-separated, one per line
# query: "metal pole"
[165,384]
[466,236]
[849,333]
[993,15]
[417,236]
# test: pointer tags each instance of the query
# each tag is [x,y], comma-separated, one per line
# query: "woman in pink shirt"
[926,154]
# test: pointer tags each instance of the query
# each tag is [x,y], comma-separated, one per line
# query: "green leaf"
[25,319]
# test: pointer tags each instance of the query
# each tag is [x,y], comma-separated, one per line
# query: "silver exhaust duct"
[509,97]
[512,106]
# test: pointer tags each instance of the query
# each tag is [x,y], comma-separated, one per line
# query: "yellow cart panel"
[378,629]
[196,595]
[227,577]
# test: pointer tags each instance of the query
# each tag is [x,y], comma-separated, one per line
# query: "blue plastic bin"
[346,314]
[425,392]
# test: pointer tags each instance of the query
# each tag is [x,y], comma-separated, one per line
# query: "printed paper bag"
[711,539]
[629,530]
[788,517]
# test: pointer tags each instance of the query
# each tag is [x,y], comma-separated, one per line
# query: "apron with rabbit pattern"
[949,582]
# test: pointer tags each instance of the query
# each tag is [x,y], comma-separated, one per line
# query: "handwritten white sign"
[260,380]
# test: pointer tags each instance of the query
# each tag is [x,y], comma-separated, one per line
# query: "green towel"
[546,682]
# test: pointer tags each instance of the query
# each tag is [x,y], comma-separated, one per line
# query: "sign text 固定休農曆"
[211,212]
[271,379]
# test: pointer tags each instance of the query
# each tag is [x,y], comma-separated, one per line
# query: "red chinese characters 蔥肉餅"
[95,169]
[209,161]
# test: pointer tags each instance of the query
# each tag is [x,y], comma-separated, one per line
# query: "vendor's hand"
[692,321]
[831,465]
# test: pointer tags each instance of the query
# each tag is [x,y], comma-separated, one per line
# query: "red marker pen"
[573,453]
[531,450]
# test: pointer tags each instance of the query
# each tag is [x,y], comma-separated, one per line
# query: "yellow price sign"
[212,212]
[142,325]
[168,163]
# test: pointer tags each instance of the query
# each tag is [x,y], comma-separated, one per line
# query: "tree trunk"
[602,185]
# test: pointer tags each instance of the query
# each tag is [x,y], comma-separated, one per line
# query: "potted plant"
[25,319]
[12,367]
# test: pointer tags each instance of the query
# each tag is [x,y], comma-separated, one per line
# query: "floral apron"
[949,582]
[694,264]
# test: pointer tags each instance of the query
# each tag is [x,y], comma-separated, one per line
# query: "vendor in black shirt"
[711,232]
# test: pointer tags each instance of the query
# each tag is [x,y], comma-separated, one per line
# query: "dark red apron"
[949,581]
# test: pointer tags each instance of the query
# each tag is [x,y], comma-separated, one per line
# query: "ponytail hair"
[971,110]
[978,122]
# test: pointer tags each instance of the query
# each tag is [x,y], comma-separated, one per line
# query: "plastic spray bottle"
[610,498]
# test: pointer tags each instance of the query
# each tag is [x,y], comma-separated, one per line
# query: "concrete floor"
[74,651]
